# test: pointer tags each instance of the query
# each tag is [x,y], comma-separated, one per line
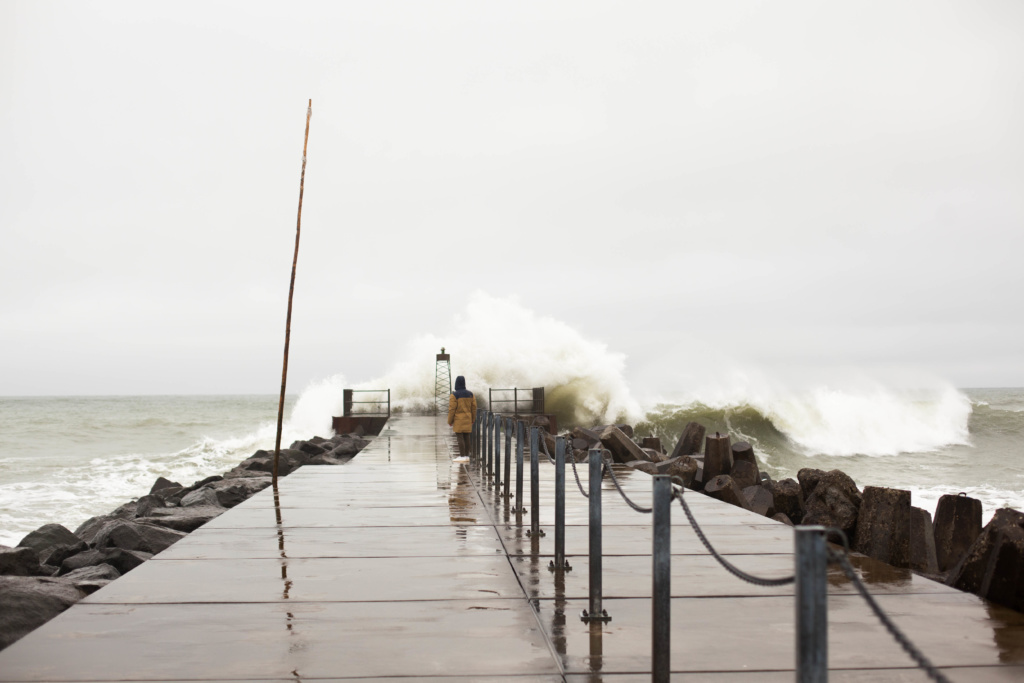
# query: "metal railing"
[812,554]
[533,405]
[348,403]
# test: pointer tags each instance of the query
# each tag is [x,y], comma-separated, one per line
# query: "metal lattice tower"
[442,382]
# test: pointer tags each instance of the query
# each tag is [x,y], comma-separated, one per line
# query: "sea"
[66,458]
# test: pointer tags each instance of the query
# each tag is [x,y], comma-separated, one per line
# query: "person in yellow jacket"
[461,414]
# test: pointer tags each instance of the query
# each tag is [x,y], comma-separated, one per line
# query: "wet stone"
[47,536]
[744,473]
[883,525]
[723,488]
[957,526]
[922,542]
[788,498]
[760,500]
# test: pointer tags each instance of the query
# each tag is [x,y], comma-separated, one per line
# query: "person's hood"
[460,388]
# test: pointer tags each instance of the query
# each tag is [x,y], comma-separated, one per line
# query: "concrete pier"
[404,565]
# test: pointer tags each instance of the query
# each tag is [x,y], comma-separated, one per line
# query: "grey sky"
[796,187]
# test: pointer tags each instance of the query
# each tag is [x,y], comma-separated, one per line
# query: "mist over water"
[66,459]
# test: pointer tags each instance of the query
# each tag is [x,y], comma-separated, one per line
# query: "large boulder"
[788,498]
[134,535]
[21,562]
[182,519]
[144,505]
[682,466]
[725,489]
[644,466]
[922,543]
[91,579]
[690,440]
[231,492]
[200,497]
[308,447]
[122,560]
[833,501]
[717,456]
[588,436]
[957,526]
[161,484]
[622,448]
[994,564]
[88,529]
[744,474]
[760,500]
[48,536]
[883,525]
[652,442]
[27,603]
[55,555]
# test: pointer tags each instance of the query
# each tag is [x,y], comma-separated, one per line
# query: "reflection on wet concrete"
[293,645]
[1007,632]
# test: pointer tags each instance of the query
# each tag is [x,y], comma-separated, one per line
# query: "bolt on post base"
[566,567]
[540,532]
[590,618]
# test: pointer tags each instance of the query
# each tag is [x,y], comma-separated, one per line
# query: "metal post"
[811,605]
[535,531]
[519,471]
[596,612]
[661,595]
[497,451]
[489,445]
[476,434]
[508,455]
[559,563]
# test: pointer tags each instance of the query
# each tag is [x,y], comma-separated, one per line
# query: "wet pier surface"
[404,565]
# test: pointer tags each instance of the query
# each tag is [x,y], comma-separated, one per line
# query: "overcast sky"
[794,186]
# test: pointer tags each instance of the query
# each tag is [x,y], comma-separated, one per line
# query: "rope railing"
[812,559]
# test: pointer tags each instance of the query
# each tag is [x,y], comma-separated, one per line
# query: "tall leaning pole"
[291,291]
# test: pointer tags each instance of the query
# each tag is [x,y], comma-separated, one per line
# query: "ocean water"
[65,459]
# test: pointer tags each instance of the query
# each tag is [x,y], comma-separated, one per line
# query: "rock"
[809,478]
[654,455]
[182,519]
[993,567]
[760,500]
[652,442]
[89,528]
[621,446]
[47,536]
[644,466]
[29,602]
[579,455]
[590,438]
[204,497]
[91,579]
[922,542]
[957,526]
[122,560]
[348,447]
[698,478]
[781,517]
[135,535]
[55,555]
[307,447]
[744,474]
[833,502]
[717,456]
[744,452]
[580,444]
[202,482]
[788,497]
[724,489]
[883,525]
[162,484]
[683,467]
[690,440]
[231,492]
[170,496]
[21,561]
[126,511]
[146,504]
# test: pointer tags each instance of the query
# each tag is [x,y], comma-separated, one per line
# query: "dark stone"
[723,488]
[231,492]
[622,448]
[788,497]
[652,442]
[922,542]
[883,525]
[653,455]
[589,436]
[347,447]
[741,450]
[310,448]
[833,502]
[744,474]
[698,478]
[126,511]
[162,484]
[203,482]
[55,555]
[644,466]
[48,536]
[147,503]
[122,560]
[201,497]
[690,440]
[170,495]
[318,440]
[580,444]
[134,535]
[89,528]
[782,517]
[957,526]
[684,467]
[717,456]
[91,579]
[182,519]
[993,567]
[20,562]
[760,500]
[27,603]
[808,478]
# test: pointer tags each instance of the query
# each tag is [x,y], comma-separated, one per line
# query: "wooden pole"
[291,291]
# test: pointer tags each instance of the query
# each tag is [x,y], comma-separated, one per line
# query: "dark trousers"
[465,443]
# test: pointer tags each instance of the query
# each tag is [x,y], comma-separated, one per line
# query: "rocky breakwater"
[878,522]
[52,567]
